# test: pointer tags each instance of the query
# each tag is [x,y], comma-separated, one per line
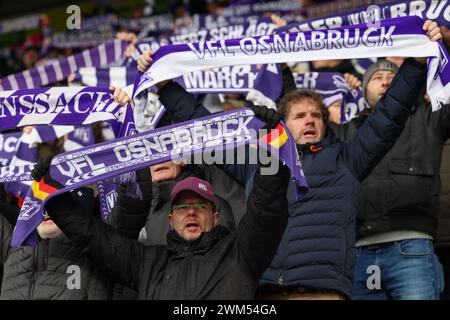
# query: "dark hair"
[285,103]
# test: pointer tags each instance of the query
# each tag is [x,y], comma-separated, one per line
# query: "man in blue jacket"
[316,256]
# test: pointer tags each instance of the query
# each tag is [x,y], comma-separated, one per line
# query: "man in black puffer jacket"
[202,260]
[54,268]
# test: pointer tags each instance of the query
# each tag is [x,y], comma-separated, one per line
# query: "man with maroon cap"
[192,203]
[202,259]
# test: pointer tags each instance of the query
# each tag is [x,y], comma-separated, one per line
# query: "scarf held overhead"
[402,37]
[60,69]
[95,163]
[58,106]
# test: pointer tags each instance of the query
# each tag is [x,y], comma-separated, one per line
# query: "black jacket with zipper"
[218,265]
[402,192]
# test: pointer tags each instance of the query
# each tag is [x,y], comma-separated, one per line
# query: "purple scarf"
[59,70]
[438,11]
[402,36]
[92,164]
[59,106]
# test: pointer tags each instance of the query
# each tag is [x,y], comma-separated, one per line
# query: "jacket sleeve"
[260,231]
[6,230]
[383,127]
[440,120]
[181,104]
[107,247]
[130,214]
[9,212]
[288,81]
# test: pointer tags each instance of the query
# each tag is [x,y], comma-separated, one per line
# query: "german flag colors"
[276,137]
[41,190]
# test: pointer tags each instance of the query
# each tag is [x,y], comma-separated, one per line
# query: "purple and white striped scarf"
[62,106]
[263,86]
[89,165]
[118,77]
[58,106]
[60,69]
[438,11]
[402,37]
[26,154]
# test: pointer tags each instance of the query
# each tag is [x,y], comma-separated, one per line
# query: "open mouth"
[159,169]
[192,226]
[309,133]
[381,95]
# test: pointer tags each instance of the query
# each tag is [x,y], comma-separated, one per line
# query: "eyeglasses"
[184,207]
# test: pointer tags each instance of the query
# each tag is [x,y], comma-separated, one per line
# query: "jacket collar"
[180,246]
[312,148]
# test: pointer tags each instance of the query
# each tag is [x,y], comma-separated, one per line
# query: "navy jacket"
[318,246]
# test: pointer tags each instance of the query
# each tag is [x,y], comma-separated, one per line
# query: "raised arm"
[130,214]
[108,248]
[181,104]
[261,228]
[383,127]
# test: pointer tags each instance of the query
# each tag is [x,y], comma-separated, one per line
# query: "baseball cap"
[199,186]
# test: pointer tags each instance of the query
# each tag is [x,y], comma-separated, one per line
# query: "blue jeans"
[408,270]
